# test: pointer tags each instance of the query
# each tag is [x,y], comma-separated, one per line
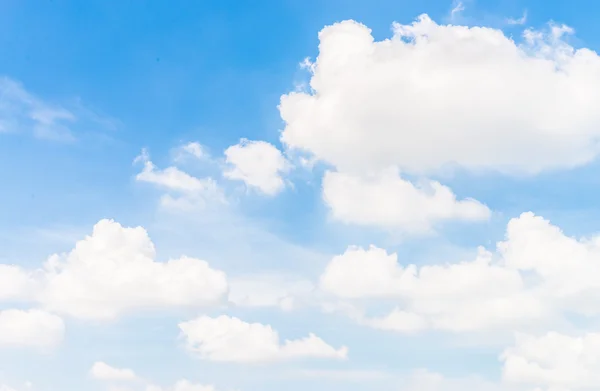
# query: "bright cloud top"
[229,339]
[386,200]
[113,270]
[436,95]
[109,273]
[258,164]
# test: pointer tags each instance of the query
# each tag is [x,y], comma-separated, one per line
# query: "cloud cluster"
[434,97]
[535,274]
[110,272]
[377,113]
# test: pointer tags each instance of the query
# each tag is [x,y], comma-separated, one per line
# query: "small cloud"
[260,165]
[307,64]
[520,21]
[457,8]
[103,371]
[191,192]
[192,149]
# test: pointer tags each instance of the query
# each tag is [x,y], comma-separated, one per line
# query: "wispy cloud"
[520,21]
[457,8]
[23,112]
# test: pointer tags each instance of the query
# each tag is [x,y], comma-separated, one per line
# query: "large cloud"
[33,328]
[465,296]
[535,275]
[229,339]
[436,95]
[113,271]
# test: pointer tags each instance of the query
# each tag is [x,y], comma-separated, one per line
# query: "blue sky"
[284,180]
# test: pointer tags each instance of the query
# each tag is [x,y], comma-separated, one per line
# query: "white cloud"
[103,371]
[438,95]
[15,283]
[183,385]
[389,201]
[342,375]
[4,387]
[423,380]
[229,339]
[491,292]
[457,8]
[554,360]
[21,111]
[360,273]
[191,192]
[258,164]
[269,290]
[536,276]
[32,328]
[113,271]
[194,149]
[519,21]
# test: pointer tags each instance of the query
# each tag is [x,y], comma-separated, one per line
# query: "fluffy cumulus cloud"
[467,296]
[229,339]
[387,200]
[113,271]
[536,275]
[554,360]
[32,328]
[436,95]
[102,371]
[183,191]
[258,164]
